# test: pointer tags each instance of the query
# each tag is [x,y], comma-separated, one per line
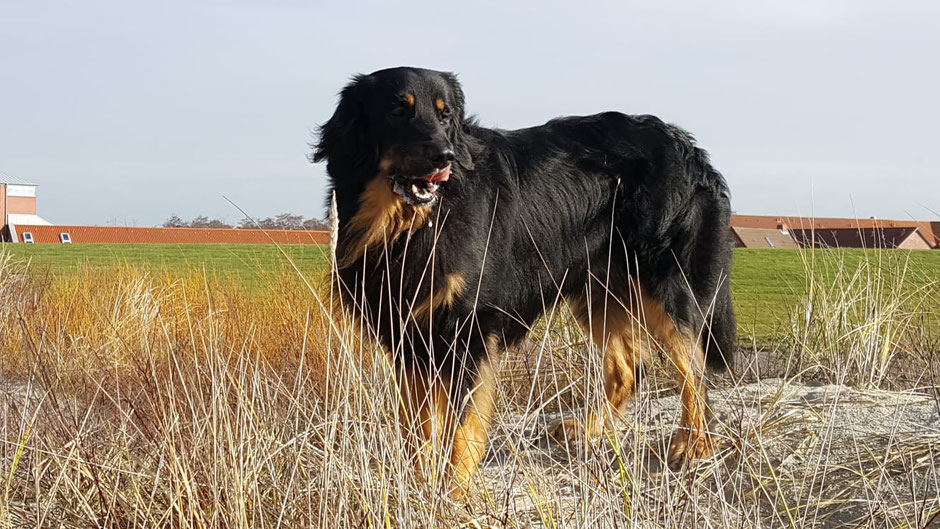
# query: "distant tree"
[174,222]
[289,221]
[284,221]
[316,225]
[267,223]
[201,221]
[216,223]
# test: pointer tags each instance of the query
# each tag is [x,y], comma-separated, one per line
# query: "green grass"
[769,285]
[766,284]
[249,264]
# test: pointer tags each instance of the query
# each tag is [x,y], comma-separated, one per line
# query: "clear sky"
[125,112]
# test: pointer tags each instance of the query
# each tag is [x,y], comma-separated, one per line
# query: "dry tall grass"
[130,400]
[862,323]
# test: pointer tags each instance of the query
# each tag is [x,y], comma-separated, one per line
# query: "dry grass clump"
[145,401]
[862,322]
[131,401]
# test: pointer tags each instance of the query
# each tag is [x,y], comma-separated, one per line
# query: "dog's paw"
[572,432]
[689,445]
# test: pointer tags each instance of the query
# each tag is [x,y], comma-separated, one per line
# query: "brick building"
[839,231]
[17,206]
[136,235]
[762,238]
[21,224]
[908,238]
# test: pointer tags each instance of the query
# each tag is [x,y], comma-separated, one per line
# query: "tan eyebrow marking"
[439,103]
[410,99]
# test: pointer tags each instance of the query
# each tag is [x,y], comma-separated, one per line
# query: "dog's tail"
[710,267]
[720,330]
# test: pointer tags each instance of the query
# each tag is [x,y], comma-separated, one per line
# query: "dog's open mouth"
[420,190]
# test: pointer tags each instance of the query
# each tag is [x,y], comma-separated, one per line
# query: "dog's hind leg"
[692,440]
[684,351]
[611,328]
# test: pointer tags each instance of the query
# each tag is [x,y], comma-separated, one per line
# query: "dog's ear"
[459,138]
[344,139]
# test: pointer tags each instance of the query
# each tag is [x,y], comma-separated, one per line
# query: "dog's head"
[401,124]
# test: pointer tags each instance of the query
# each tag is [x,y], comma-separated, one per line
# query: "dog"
[454,238]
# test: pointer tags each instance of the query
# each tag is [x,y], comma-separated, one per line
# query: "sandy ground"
[794,454]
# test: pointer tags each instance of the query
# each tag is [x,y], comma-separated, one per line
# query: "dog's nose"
[440,156]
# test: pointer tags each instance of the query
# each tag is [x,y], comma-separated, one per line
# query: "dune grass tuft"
[134,398]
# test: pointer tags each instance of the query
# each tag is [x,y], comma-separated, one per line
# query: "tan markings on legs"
[620,360]
[612,328]
[443,297]
[692,440]
[683,348]
[492,344]
[472,435]
[429,426]
[425,418]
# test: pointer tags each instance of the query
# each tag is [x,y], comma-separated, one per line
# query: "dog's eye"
[398,111]
[445,115]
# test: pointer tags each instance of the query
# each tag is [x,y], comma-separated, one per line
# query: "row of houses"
[21,224]
[767,231]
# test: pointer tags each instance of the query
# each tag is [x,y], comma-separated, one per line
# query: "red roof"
[908,237]
[924,228]
[762,238]
[119,234]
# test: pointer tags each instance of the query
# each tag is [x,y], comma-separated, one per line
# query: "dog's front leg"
[472,434]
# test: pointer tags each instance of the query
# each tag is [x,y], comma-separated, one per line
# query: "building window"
[65,238]
[28,237]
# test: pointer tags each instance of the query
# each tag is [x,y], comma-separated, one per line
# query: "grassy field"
[208,387]
[770,287]
[248,264]
[767,285]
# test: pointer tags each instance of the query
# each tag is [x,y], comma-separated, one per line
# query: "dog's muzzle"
[420,190]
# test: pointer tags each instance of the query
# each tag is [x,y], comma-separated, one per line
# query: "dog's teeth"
[424,192]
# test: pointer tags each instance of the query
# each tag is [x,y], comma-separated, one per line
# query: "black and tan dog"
[454,238]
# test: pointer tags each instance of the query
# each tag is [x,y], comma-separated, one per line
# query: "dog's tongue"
[442,176]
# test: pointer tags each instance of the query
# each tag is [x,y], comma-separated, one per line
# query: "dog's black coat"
[527,215]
